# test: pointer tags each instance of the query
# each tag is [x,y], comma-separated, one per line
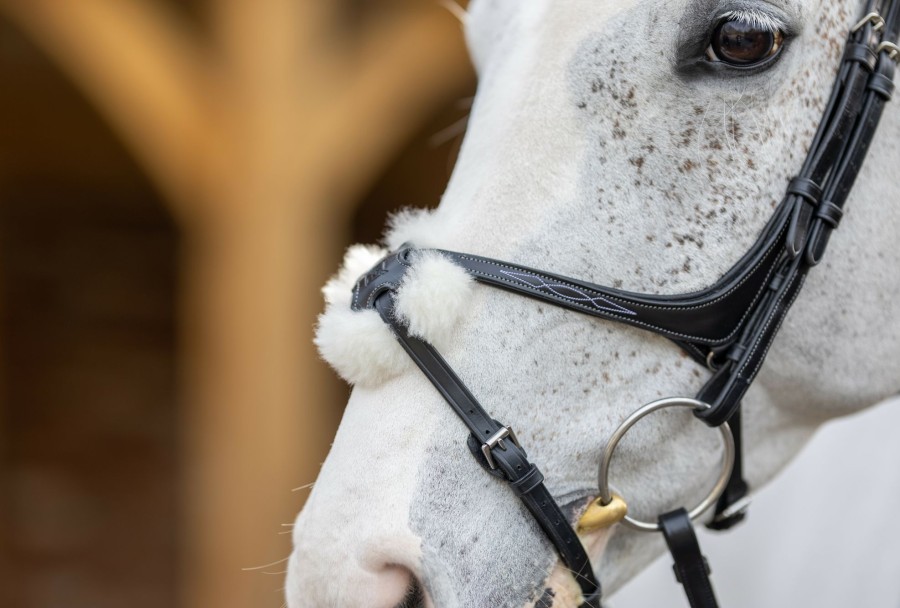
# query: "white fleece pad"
[431,299]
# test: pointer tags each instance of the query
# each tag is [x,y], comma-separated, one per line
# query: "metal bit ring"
[714,494]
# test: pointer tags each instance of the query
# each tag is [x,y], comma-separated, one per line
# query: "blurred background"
[177,180]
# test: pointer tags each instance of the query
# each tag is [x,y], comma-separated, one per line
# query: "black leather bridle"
[729,327]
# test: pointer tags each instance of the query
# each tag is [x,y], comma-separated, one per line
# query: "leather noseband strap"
[497,449]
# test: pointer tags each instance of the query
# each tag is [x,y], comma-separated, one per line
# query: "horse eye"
[743,44]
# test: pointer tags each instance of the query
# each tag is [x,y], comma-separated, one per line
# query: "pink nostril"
[397,587]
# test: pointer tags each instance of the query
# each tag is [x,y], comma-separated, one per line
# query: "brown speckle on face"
[685,157]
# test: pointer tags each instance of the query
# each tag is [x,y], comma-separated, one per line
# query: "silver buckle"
[497,440]
[892,49]
[874,17]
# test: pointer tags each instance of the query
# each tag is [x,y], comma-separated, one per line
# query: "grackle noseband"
[729,326]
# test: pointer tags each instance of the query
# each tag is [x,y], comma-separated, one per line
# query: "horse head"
[644,145]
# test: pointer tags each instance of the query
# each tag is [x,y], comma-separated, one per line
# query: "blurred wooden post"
[262,143]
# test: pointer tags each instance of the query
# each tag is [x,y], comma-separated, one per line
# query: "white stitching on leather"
[633,321]
[777,329]
[552,288]
[653,306]
[370,301]
[651,326]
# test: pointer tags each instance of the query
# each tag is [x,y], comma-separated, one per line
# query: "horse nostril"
[398,587]
[415,596]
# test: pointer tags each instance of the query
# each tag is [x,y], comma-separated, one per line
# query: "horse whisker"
[456,10]
[281,561]
[448,133]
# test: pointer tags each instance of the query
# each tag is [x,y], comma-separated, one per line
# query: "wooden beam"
[261,408]
[301,141]
[299,33]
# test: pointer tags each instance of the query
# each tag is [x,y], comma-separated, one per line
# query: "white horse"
[608,142]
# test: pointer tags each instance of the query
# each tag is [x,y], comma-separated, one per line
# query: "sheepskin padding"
[359,345]
[358,260]
[432,297]
[413,225]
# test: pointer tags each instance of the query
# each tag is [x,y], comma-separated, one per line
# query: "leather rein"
[728,327]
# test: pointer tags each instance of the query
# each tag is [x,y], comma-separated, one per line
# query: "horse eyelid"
[756,17]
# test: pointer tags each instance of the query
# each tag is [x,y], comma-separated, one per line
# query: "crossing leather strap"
[504,456]
[691,568]
[711,317]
